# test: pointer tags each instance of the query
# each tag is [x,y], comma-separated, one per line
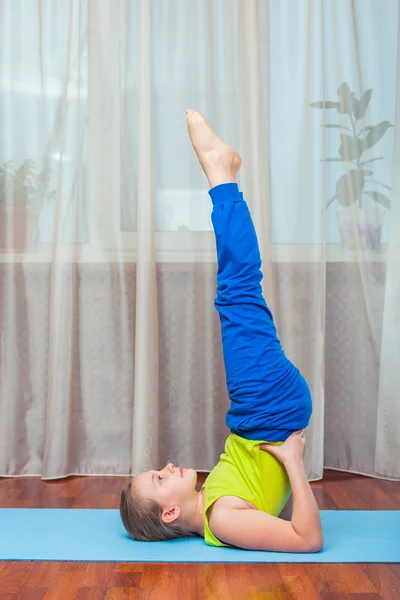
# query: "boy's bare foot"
[219,161]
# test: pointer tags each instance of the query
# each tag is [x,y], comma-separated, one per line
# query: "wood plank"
[384,580]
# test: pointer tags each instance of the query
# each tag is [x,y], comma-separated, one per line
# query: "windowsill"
[280,253]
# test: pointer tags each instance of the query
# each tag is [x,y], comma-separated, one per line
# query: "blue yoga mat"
[98,535]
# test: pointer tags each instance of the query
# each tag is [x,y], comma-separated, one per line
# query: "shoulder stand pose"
[242,499]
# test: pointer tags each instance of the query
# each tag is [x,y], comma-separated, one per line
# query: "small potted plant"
[22,192]
[357,227]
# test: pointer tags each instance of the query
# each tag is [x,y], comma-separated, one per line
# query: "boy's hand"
[292,449]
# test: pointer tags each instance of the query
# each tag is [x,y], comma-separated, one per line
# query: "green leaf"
[379,198]
[374,135]
[337,127]
[366,128]
[350,147]
[349,187]
[333,160]
[362,105]
[344,89]
[325,104]
[347,100]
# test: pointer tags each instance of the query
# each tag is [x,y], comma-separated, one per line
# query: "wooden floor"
[114,581]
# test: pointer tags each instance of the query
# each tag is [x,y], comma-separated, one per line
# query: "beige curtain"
[110,350]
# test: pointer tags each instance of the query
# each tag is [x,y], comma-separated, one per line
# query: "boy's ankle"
[220,178]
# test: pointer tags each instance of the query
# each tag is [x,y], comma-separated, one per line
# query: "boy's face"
[173,488]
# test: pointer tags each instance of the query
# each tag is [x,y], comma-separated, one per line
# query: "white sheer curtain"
[110,351]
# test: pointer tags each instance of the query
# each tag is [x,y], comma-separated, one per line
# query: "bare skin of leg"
[218,160]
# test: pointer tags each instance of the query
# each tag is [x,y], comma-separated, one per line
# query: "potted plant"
[22,192]
[357,227]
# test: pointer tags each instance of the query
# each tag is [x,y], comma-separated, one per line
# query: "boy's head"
[155,505]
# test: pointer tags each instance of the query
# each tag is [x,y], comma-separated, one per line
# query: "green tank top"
[249,473]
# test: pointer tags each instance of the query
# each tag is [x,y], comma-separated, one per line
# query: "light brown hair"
[141,518]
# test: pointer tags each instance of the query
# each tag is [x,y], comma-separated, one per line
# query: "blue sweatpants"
[269,397]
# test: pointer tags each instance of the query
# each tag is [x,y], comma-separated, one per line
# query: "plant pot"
[20,222]
[359,228]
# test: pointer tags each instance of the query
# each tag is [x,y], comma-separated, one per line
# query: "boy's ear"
[169,516]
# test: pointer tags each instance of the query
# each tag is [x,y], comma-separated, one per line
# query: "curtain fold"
[110,348]
[388,421]
[146,374]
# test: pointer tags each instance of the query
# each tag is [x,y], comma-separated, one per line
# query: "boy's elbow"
[316,544]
